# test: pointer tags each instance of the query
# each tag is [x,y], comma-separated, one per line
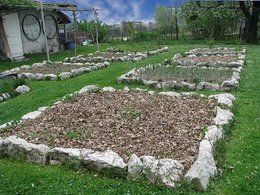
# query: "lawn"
[238,155]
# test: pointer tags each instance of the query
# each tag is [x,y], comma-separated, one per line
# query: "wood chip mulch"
[127,123]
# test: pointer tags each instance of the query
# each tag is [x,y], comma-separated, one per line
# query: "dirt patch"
[127,123]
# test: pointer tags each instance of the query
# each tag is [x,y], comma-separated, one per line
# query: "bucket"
[69,45]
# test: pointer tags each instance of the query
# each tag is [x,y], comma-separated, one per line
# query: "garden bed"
[215,57]
[191,75]
[210,72]
[111,56]
[172,133]
[126,123]
[55,70]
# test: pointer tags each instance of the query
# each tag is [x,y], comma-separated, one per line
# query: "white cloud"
[114,11]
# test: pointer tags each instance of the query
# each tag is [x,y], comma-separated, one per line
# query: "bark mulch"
[127,123]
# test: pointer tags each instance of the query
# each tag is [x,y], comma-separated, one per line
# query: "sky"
[115,11]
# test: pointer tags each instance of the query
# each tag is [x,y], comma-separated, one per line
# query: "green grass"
[238,155]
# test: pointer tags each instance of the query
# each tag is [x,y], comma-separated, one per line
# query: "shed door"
[13,33]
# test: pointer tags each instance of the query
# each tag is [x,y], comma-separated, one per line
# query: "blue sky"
[114,11]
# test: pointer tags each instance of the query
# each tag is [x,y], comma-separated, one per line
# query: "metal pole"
[75,33]
[45,33]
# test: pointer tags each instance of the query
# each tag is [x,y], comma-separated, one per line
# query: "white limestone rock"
[51,77]
[223,117]
[126,89]
[170,93]
[169,84]
[165,171]
[42,109]
[88,89]
[67,155]
[149,83]
[108,89]
[38,76]
[107,160]
[229,84]
[236,75]
[201,85]
[18,148]
[14,70]
[31,115]
[151,92]
[135,166]
[22,89]
[76,72]
[214,133]
[65,75]
[185,85]
[224,99]
[28,75]
[204,167]
[211,86]
[25,67]
[37,65]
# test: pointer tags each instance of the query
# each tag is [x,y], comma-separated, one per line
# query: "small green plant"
[68,98]
[239,42]
[210,42]
[72,134]
[130,113]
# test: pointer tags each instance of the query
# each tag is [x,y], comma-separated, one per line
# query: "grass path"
[238,155]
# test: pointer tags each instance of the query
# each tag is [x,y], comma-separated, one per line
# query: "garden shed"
[21,29]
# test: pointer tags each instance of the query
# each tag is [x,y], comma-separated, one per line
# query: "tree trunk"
[252,19]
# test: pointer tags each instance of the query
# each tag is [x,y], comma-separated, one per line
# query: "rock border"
[20,89]
[86,64]
[159,171]
[87,67]
[227,85]
[128,56]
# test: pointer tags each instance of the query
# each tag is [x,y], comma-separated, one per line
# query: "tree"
[212,19]
[128,27]
[251,14]
[90,26]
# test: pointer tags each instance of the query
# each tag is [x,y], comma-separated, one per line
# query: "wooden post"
[75,32]
[96,14]
[45,34]
[7,50]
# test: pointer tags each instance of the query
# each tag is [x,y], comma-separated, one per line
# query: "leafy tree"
[90,26]
[167,20]
[211,19]
[128,28]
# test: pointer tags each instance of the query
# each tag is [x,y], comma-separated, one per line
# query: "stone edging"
[52,77]
[128,56]
[163,171]
[233,83]
[20,89]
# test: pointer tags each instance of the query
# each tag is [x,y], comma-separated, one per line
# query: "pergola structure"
[74,9]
